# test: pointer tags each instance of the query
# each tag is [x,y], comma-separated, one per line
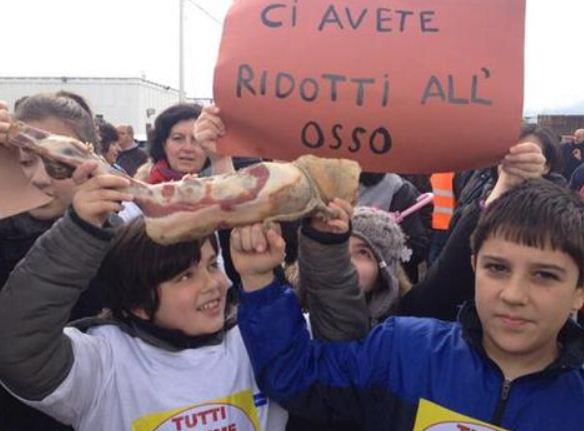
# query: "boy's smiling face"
[194,300]
[524,295]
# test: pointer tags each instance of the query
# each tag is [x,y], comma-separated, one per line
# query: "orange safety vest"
[443,200]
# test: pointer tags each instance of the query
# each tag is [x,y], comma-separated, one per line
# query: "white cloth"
[129,212]
[122,383]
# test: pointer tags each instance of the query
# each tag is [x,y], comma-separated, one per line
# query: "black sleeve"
[450,280]
[418,237]
[36,356]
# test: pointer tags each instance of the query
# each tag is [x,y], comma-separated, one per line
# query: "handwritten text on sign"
[399,88]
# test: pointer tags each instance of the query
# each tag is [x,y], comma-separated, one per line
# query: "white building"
[134,101]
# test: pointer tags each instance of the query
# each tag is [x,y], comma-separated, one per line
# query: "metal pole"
[181,54]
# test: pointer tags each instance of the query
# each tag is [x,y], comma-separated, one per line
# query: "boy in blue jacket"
[513,360]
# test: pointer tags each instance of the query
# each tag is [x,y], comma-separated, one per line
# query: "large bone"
[195,207]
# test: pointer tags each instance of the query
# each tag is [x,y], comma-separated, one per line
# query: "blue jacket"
[379,380]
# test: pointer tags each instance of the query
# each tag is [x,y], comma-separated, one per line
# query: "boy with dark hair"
[513,360]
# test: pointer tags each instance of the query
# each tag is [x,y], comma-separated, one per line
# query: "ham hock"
[195,207]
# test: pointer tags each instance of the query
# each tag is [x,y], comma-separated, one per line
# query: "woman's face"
[112,153]
[365,263]
[60,190]
[183,152]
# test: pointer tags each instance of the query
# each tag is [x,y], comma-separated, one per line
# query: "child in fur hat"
[377,248]
[367,255]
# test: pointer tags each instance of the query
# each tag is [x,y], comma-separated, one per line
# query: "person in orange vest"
[444,203]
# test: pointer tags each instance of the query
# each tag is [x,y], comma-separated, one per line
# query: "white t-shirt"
[118,382]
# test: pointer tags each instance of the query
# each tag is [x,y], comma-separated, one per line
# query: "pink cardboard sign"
[400,86]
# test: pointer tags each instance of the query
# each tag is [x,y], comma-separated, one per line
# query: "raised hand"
[208,129]
[255,252]
[343,211]
[98,196]
[525,161]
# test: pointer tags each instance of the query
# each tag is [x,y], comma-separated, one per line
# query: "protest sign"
[399,86]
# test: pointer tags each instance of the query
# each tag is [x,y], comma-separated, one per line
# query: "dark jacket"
[577,179]
[571,163]
[379,381]
[449,282]
[130,160]
[415,226]
[17,236]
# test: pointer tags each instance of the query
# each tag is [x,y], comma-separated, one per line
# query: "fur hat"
[382,233]
[379,230]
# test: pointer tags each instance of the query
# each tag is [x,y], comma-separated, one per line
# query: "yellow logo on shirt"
[236,412]
[432,417]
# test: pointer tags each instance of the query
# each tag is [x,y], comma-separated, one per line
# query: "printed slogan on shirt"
[236,412]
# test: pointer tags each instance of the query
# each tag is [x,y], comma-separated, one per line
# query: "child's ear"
[473,262]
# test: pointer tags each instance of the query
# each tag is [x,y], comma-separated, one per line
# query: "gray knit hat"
[379,230]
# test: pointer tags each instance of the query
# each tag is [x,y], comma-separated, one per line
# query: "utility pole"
[181,53]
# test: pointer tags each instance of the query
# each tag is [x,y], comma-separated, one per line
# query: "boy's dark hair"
[164,122]
[135,266]
[550,145]
[108,135]
[538,214]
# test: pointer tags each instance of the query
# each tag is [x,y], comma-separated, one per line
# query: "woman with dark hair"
[549,145]
[109,147]
[175,150]
[479,183]
[57,114]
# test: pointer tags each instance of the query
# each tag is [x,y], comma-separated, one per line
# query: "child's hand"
[525,161]
[255,253]
[340,224]
[98,196]
[208,129]
[4,123]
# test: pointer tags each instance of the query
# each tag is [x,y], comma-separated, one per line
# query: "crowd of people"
[471,303]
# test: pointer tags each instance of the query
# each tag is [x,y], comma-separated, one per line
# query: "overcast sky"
[140,37]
